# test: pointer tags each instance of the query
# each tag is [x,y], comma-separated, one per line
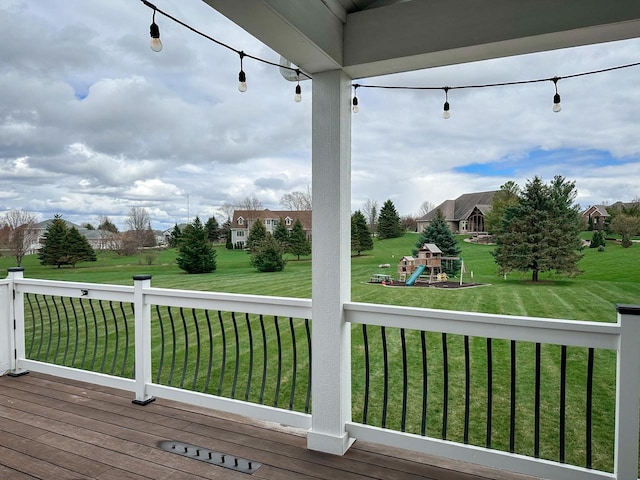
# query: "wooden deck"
[52,428]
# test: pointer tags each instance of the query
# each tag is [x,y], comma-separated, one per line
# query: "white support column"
[142,313]
[331,270]
[625,461]
[16,322]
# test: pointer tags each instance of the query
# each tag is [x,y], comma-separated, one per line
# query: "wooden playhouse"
[428,262]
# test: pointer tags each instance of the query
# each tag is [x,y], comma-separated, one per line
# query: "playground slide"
[415,275]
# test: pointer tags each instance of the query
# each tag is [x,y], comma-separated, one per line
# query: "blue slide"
[415,275]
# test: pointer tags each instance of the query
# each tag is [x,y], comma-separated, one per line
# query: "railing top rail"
[285,306]
[531,329]
[98,291]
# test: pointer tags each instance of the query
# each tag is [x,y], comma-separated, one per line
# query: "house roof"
[461,207]
[303,215]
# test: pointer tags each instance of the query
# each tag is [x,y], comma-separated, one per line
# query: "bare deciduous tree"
[425,207]
[227,210]
[370,212]
[18,232]
[297,200]
[139,223]
[250,203]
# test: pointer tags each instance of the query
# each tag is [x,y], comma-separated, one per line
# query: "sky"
[92,122]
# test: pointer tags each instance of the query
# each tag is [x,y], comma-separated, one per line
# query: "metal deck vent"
[210,456]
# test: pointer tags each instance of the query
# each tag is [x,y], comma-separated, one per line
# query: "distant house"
[596,216]
[465,214]
[163,238]
[98,239]
[243,220]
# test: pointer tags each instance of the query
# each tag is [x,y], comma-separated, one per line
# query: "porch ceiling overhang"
[368,38]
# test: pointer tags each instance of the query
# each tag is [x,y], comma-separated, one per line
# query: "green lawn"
[609,277]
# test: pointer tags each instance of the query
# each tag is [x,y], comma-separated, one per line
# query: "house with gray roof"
[464,215]
[596,215]
[243,220]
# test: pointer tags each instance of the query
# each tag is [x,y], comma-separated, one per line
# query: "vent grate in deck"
[210,456]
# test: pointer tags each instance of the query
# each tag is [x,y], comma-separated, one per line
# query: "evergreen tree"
[439,233]
[257,234]
[597,240]
[507,196]
[281,234]
[266,256]
[54,249]
[78,248]
[389,225]
[174,238]
[298,242]
[542,232]
[213,229]
[195,253]
[360,234]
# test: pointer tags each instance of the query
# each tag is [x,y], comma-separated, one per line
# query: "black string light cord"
[446,109]
[155,36]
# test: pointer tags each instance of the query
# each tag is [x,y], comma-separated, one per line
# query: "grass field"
[609,277]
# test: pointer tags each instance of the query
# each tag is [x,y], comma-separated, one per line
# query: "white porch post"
[16,322]
[142,313]
[331,271]
[625,461]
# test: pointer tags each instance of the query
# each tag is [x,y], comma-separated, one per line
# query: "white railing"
[621,337]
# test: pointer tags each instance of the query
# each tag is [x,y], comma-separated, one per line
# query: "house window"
[240,233]
[268,222]
[240,221]
[287,221]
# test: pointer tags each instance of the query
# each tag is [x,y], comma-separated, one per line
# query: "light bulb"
[446,114]
[356,108]
[156,44]
[556,103]
[242,79]
[298,97]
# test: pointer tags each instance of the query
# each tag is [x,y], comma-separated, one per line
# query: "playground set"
[425,268]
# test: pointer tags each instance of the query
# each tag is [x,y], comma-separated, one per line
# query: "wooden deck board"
[53,428]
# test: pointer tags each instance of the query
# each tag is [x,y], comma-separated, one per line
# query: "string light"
[156,45]
[298,96]
[242,77]
[154,31]
[556,97]
[446,114]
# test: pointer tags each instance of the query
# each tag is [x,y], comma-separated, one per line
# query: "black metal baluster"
[307,401]
[36,297]
[126,340]
[589,408]
[489,391]
[512,418]
[161,361]
[237,365]
[33,326]
[467,388]
[95,335]
[367,371]
[563,400]
[59,336]
[250,372]
[536,413]
[173,346]
[76,344]
[275,401]
[423,342]
[405,381]
[185,362]
[198,349]
[223,366]
[86,333]
[445,386]
[106,336]
[263,383]
[210,362]
[68,340]
[117,339]
[385,362]
[294,373]
[46,304]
